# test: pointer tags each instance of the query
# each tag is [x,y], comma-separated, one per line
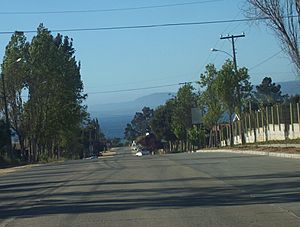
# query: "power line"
[147,26]
[143,26]
[265,60]
[154,87]
[276,73]
[109,10]
[137,89]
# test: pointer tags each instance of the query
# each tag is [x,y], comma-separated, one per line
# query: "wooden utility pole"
[233,38]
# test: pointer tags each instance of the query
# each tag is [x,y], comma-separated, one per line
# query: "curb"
[263,153]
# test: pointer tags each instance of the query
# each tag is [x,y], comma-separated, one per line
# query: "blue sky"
[134,58]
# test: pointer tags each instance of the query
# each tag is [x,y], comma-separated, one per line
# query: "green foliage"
[226,86]
[233,87]
[209,98]
[226,90]
[92,139]
[182,118]
[3,134]
[140,124]
[268,93]
[172,120]
[196,135]
[161,122]
[47,122]
[295,99]
[129,133]
[15,71]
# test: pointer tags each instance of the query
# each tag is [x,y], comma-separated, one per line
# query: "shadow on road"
[138,197]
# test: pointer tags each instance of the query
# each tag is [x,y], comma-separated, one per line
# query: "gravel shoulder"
[277,148]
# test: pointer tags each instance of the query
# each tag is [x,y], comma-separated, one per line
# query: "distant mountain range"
[290,87]
[129,108]
[114,117]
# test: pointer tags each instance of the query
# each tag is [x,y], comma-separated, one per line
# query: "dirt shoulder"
[283,148]
[16,168]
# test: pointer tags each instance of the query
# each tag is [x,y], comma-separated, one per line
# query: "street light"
[216,50]
[9,147]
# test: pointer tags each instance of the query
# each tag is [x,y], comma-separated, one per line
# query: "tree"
[295,99]
[140,124]
[3,134]
[209,99]
[196,136]
[130,134]
[161,123]
[233,88]
[52,114]
[48,123]
[182,117]
[268,93]
[283,19]
[92,138]
[15,70]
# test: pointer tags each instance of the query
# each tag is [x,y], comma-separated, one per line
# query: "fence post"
[278,118]
[262,120]
[246,125]
[257,120]
[221,135]
[272,117]
[267,118]
[291,114]
[249,119]
[227,133]
[298,111]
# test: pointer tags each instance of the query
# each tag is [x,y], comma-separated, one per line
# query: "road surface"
[199,189]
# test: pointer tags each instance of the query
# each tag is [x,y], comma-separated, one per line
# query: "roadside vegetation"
[42,101]
[226,99]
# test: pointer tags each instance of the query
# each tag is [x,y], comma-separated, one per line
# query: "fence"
[279,122]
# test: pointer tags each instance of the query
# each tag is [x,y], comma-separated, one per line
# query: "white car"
[139,154]
[143,152]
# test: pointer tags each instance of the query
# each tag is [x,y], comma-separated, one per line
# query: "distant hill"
[129,108]
[114,117]
[290,87]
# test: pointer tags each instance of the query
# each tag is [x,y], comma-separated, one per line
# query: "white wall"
[274,132]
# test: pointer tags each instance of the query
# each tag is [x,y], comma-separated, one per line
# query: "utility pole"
[233,37]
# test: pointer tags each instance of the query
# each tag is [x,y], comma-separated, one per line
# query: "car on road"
[138,154]
[142,152]
[92,157]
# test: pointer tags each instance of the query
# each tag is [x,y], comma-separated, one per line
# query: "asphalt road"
[199,189]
